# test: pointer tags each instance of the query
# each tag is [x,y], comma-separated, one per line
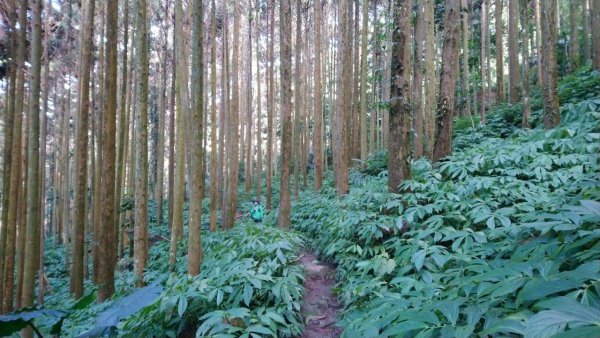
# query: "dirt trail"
[320,307]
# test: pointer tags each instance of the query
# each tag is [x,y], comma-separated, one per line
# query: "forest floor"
[320,307]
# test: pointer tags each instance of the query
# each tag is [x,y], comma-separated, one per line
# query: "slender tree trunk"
[162,106]
[538,37]
[172,145]
[285,43]
[585,21]
[465,63]
[595,18]
[483,56]
[318,103]
[182,107]
[417,83]
[513,50]
[499,52]
[259,154]
[9,119]
[270,103]
[32,239]
[525,80]
[248,141]
[399,133]
[445,106]
[195,130]
[140,246]
[213,118]
[550,85]
[574,29]
[122,118]
[81,151]
[341,119]
[106,278]
[233,130]
[363,80]
[430,78]
[15,169]
[298,86]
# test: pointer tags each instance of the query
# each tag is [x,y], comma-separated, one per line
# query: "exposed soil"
[320,308]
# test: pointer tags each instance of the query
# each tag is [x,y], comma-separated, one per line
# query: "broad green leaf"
[418,258]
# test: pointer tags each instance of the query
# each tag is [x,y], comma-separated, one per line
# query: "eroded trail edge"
[320,307]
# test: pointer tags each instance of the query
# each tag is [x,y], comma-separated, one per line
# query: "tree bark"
[430,78]
[106,276]
[513,50]
[318,102]
[270,104]
[525,80]
[285,69]
[15,169]
[213,119]
[363,80]
[400,109]
[195,130]
[595,18]
[140,244]
[574,30]
[445,106]
[499,51]
[81,151]
[483,56]
[233,130]
[549,38]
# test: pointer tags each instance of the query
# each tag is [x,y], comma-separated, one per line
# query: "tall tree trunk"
[248,142]
[81,151]
[499,51]
[32,247]
[513,50]
[549,38]
[298,86]
[595,18]
[483,56]
[363,80]
[574,41]
[233,130]
[430,78]
[465,59]
[399,133]
[445,106]
[182,107]
[525,80]
[140,246]
[123,126]
[106,276]
[585,37]
[9,119]
[318,103]
[341,119]
[538,38]
[285,69]
[417,83]
[15,169]
[162,106]
[195,130]
[270,103]
[259,154]
[213,118]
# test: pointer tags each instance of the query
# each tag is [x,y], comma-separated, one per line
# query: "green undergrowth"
[500,239]
[249,286]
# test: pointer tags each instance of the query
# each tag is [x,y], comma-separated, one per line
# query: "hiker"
[257,212]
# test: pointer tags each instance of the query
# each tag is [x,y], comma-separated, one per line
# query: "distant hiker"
[258,212]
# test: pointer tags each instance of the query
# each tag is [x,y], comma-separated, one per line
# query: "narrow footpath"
[320,308]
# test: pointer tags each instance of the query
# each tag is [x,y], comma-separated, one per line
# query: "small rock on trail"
[320,307]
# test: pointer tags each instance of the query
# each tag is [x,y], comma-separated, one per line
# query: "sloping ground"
[499,239]
[320,308]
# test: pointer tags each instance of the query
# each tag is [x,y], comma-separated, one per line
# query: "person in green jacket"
[257,212]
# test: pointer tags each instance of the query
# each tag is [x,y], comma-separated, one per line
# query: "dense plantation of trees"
[135,134]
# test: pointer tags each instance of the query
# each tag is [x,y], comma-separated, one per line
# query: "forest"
[300,168]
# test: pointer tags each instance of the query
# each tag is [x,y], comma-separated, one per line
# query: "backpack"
[257,213]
